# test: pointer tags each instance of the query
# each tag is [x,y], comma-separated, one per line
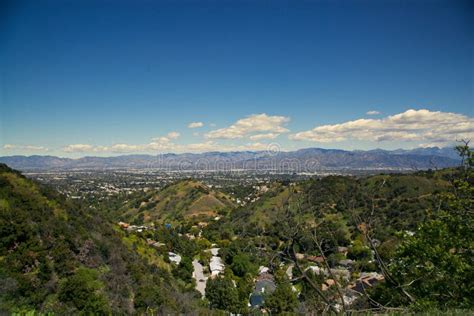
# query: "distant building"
[366,280]
[342,250]
[347,263]
[300,256]
[316,259]
[264,285]
[175,258]
[216,265]
[123,225]
[263,269]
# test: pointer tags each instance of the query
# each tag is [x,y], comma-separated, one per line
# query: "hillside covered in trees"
[381,243]
[58,257]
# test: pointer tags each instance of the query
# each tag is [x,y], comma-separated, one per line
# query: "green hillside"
[184,200]
[56,257]
[389,203]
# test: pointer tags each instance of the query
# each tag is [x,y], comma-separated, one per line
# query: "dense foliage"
[315,239]
[57,257]
[435,265]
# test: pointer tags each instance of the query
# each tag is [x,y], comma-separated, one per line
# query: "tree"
[185,269]
[222,294]
[241,265]
[334,232]
[148,296]
[283,299]
[359,251]
[435,265]
[83,291]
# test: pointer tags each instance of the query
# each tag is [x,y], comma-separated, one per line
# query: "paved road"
[198,274]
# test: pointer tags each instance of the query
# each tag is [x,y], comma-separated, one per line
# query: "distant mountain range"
[303,160]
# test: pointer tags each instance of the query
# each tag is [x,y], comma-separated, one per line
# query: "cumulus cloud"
[195,124]
[264,136]
[372,112]
[166,139]
[79,148]
[155,146]
[253,124]
[87,148]
[121,148]
[163,144]
[423,126]
[24,147]
[214,146]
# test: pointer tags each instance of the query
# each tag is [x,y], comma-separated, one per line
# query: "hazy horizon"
[271,150]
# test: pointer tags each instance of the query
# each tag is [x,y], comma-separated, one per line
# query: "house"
[263,269]
[190,236]
[347,263]
[340,274]
[264,285]
[216,265]
[131,228]
[158,244]
[153,243]
[123,225]
[150,242]
[342,250]
[315,259]
[327,284]
[289,271]
[365,281]
[175,258]
[265,277]
[300,256]
[315,269]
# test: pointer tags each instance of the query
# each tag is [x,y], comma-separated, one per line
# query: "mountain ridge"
[304,160]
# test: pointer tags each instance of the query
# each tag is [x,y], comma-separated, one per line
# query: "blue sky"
[114,77]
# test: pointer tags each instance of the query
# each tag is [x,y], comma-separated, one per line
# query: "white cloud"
[122,148]
[372,112]
[166,139]
[159,146]
[255,146]
[24,147]
[195,124]
[213,146]
[264,136]
[434,127]
[256,123]
[80,148]
[166,144]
